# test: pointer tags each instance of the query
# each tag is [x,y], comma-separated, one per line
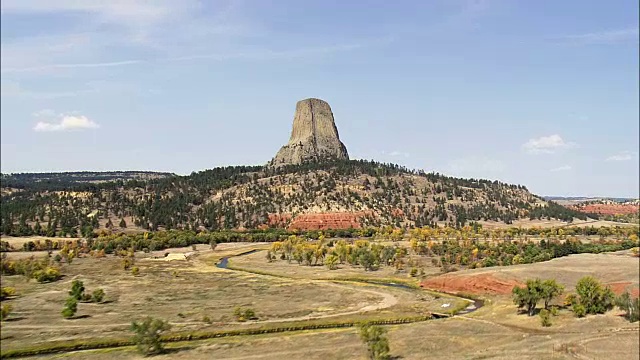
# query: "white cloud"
[622,156]
[67,122]
[546,144]
[604,37]
[561,168]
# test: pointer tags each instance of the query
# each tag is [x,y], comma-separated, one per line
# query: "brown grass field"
[185,291]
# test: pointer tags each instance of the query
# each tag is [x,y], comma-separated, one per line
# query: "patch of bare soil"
[621,272]
[620,287]
[471,284]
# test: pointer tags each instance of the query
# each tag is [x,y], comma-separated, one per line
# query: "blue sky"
[539,93]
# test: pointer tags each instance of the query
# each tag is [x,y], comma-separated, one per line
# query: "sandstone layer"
[314,137]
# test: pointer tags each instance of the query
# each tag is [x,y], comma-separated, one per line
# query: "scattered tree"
[70,308]
[528,296]
[550,290]
[147,335]
[375,338]
[630,306]
[595,298]
[77,290]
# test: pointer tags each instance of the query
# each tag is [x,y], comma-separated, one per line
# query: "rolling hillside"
[336,194]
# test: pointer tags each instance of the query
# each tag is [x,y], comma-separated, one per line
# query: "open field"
[482,335]
[186,286]
[620,270]
[184,292]
[258,262]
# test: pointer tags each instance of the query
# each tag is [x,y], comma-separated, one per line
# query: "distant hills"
[587,198]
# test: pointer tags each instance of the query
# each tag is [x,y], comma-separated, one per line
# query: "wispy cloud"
[603,37]
[138,16]
[72,66]
[44,113]
[66,122]
[14,89]
[396,153]
[546,144]
[476,166]
[561,168]
[622,156]
[258,55]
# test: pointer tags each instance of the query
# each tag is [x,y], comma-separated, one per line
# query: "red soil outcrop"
[608,209]
[327,221]
[319,221]
[479,284]
[279,220]
[620,287]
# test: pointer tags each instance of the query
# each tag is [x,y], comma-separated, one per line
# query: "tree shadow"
[174,350]
[79,317]
[17,318]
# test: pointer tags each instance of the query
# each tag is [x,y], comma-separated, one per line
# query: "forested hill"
[255,196]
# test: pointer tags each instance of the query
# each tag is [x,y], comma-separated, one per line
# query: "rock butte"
[314,137]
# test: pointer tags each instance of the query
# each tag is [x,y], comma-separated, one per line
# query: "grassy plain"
[185,291]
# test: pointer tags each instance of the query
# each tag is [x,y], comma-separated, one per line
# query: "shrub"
[545,318]
[332,262]
[147,335]
[243,314]
[97,295]
[49,274]
[579,310]
[7,292]
[5,311]
[376,340]
[206,319]
[77,290]
[570,299]
[135,271]
[554,311]
[70,308]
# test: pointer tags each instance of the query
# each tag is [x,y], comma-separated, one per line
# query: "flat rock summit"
[314,137]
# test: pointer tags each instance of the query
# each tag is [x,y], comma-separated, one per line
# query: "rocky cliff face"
[314,136]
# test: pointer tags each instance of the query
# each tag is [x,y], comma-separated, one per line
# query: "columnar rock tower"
[314,137]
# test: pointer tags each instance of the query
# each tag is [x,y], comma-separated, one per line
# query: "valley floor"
[195,295]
